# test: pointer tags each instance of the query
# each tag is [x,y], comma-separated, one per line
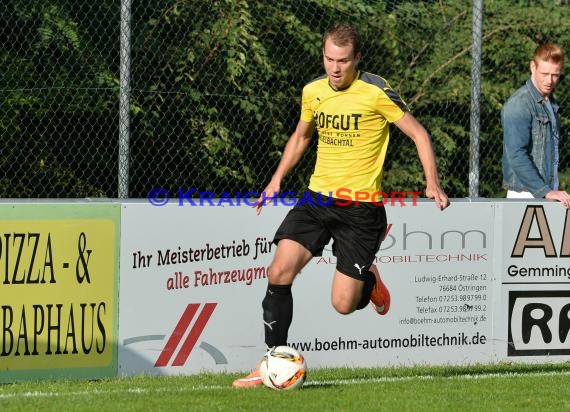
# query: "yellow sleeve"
[307,105]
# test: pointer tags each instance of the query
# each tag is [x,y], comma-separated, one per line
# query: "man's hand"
[271,191]
[437,194]
[560,195]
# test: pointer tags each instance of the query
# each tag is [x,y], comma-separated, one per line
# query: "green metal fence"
[113,98]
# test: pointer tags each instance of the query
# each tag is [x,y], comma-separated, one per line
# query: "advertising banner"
[193,278]
[438,268]
[533,322]
[58,290]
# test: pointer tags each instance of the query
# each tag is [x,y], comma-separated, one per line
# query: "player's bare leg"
[290,257]
[346,292]
[349,294]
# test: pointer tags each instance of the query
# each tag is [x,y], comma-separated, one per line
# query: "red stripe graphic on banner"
[194,334]
[177,334]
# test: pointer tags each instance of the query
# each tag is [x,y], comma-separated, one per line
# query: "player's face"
[340,64]
[545,76]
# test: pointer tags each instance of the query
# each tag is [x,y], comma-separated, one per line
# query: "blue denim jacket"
[528,150]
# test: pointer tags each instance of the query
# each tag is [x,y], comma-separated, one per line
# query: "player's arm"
[294,149]
[414,130]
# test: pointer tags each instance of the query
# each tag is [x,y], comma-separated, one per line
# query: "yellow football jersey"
[353,132]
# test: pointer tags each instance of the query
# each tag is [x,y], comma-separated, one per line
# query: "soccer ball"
[283,368]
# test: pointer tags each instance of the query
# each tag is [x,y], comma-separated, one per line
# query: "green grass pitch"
[503,387]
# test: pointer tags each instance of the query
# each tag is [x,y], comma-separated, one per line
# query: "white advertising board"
[533,321]
[437,266]
[192,280]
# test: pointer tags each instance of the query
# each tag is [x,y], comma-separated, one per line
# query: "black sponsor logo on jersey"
[337,121]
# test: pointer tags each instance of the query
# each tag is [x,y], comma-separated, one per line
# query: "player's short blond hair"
[343,34]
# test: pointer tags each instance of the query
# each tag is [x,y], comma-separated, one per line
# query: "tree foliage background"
[216,88]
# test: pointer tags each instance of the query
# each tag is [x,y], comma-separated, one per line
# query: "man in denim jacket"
[532,131]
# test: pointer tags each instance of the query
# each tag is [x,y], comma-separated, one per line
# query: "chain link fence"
[113,99]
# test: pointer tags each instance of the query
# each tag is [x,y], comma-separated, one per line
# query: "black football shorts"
[356,229]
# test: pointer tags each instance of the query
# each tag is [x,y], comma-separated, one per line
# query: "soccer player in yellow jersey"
[351,111]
